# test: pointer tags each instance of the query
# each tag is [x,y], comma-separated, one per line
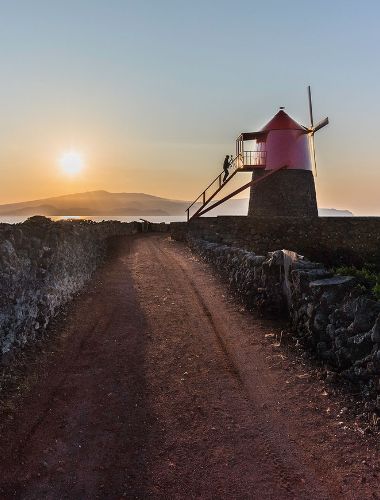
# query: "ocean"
[16,219]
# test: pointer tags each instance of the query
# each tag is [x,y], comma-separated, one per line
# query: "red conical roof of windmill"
[282,121]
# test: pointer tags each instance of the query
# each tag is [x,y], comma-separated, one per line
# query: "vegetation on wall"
[368,276]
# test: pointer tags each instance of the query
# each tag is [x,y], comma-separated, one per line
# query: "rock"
[365,312]
[320,322]
[301,278]
[360,345]
[310,310]
[340,341]
[375,332]
[336,281]
[330,331]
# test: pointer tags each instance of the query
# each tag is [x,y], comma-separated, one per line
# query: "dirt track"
[161,386]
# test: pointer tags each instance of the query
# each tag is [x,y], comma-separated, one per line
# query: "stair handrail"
[253,182]
[234,163]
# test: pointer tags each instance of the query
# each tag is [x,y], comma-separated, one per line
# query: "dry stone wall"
[331,240]
[331,314]
[42,264]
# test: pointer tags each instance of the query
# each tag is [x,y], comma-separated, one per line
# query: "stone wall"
[331,240]
[287,192]
[331,314]
[42,264]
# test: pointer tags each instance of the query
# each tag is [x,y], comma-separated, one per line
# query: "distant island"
[98,203]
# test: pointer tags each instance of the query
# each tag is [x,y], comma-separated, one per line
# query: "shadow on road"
[83,429]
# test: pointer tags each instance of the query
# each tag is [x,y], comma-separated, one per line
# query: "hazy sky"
[153,93]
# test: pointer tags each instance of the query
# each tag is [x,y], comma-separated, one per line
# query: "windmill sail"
[313,129]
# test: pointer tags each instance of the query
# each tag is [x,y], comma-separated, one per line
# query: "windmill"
[312,129]
[283,165]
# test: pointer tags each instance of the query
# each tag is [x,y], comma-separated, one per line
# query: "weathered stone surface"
[288,192]
[332,282]
[330,240]
[375,331]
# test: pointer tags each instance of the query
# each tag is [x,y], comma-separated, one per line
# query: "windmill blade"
[311,131]
[321,124]
[310,107]
[313,155]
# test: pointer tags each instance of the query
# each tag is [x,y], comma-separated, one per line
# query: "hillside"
[97,203]
[119,204]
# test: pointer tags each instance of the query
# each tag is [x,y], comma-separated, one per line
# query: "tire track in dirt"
[322,447]
[163,388]
[285,470]
[100,325]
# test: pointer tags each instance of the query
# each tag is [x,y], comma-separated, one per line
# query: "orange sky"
[178,171]
[155,110]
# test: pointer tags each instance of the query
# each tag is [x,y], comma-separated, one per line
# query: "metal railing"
[247,158]
[216,185]
[254,158]
[253,182]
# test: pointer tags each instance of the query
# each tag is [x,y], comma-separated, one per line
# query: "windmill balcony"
[253,159]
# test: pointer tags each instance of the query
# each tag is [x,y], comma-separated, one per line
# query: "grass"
[368,277]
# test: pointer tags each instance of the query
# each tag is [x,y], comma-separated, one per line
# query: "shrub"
[368,276]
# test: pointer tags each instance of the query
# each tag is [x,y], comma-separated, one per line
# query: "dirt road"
[158,385]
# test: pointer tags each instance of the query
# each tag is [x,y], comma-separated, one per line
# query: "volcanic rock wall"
[331,240]
[331,314]
[280,194]
[42,264]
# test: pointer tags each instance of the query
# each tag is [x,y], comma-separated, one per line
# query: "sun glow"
[71,162]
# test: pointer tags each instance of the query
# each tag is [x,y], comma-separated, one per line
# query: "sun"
[71,162]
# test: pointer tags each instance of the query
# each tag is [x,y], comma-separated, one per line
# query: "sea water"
[16,219]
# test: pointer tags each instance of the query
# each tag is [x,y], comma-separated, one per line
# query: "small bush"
[376,290]
[368,276]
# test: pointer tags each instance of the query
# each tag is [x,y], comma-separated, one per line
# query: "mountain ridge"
[101,202]
[98,202]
